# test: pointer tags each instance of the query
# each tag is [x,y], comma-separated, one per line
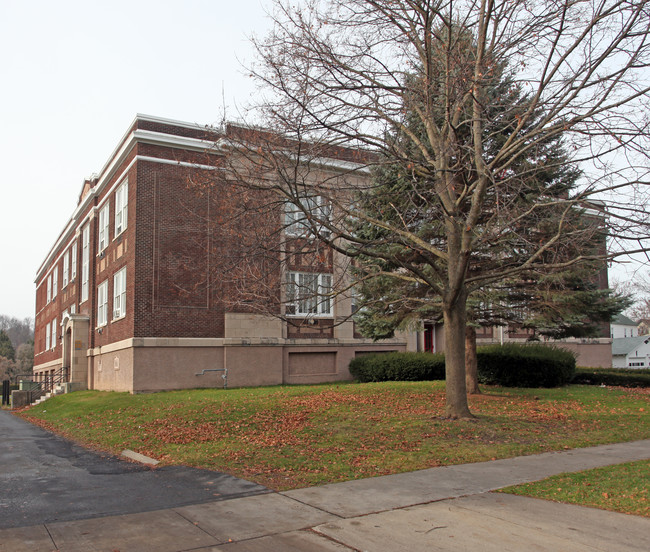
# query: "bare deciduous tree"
[19,331]
[411,83]
[639,289]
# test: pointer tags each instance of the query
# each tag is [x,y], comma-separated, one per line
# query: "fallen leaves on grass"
[291,437]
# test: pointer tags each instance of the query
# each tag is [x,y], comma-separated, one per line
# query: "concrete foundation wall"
[591,355]
[253,365]
[157,364]
[165,368]
[111,370]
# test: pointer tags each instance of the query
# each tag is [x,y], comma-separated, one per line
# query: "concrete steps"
[58,389]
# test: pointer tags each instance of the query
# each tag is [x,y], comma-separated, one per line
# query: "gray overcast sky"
[74,75]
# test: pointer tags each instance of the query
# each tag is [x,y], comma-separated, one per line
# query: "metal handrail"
[45,382]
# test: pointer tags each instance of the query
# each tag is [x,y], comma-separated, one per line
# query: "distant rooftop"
[623,320]
[623,345]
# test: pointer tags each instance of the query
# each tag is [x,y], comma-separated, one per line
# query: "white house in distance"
[622,326]
[631,352]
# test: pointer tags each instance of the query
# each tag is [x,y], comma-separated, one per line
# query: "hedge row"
[623,377]
[398,367]
[530,365]
[510,365]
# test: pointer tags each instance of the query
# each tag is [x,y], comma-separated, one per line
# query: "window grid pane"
[73,271]
[103,228]
[119,294]
[296,221]
[102,303]
[66,268]
[85,262]
[309,294]
[121,207]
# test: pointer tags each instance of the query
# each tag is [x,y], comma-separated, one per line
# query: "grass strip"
[621,488]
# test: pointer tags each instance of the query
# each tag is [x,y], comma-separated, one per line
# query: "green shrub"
[623,377]
[398,367]
[525,365]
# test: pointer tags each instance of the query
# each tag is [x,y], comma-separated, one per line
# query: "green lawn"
[291,437]
[621,488]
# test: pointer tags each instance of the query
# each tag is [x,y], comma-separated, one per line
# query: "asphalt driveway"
[45,478]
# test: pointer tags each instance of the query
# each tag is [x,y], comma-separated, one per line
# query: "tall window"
[309,293]
[119,294]
[121,207]
[297,216]
[47,337]
[103,227]
[102,303]
[55,281]
[66,269]
[85,262]
[49,288]
[53,334]
[73,265]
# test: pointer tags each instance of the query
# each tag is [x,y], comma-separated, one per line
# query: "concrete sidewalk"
[448,508]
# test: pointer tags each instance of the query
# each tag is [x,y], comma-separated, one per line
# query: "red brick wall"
[119,253]
[192,252]
[174,294]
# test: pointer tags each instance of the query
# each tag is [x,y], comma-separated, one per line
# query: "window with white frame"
[66,269]
[309,294]
[55,281]
[54,334]
[73,309]
[119,294]
[49,288]
[121,207]
[102,304]
[73,262]
[85,262]
[103,227]
[355,300]
[297,216]
[47,337]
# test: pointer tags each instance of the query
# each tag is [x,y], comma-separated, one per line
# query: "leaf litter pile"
[291,437]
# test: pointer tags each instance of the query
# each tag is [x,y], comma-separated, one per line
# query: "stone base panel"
[595,353]
[141,365]
[48,366]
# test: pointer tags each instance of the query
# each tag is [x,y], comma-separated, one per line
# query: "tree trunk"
[471,367]
[455,320]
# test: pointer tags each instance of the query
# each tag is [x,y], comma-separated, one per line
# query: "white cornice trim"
[178,163]
[173,122]
[184,142]
[346,166]
[127,143]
